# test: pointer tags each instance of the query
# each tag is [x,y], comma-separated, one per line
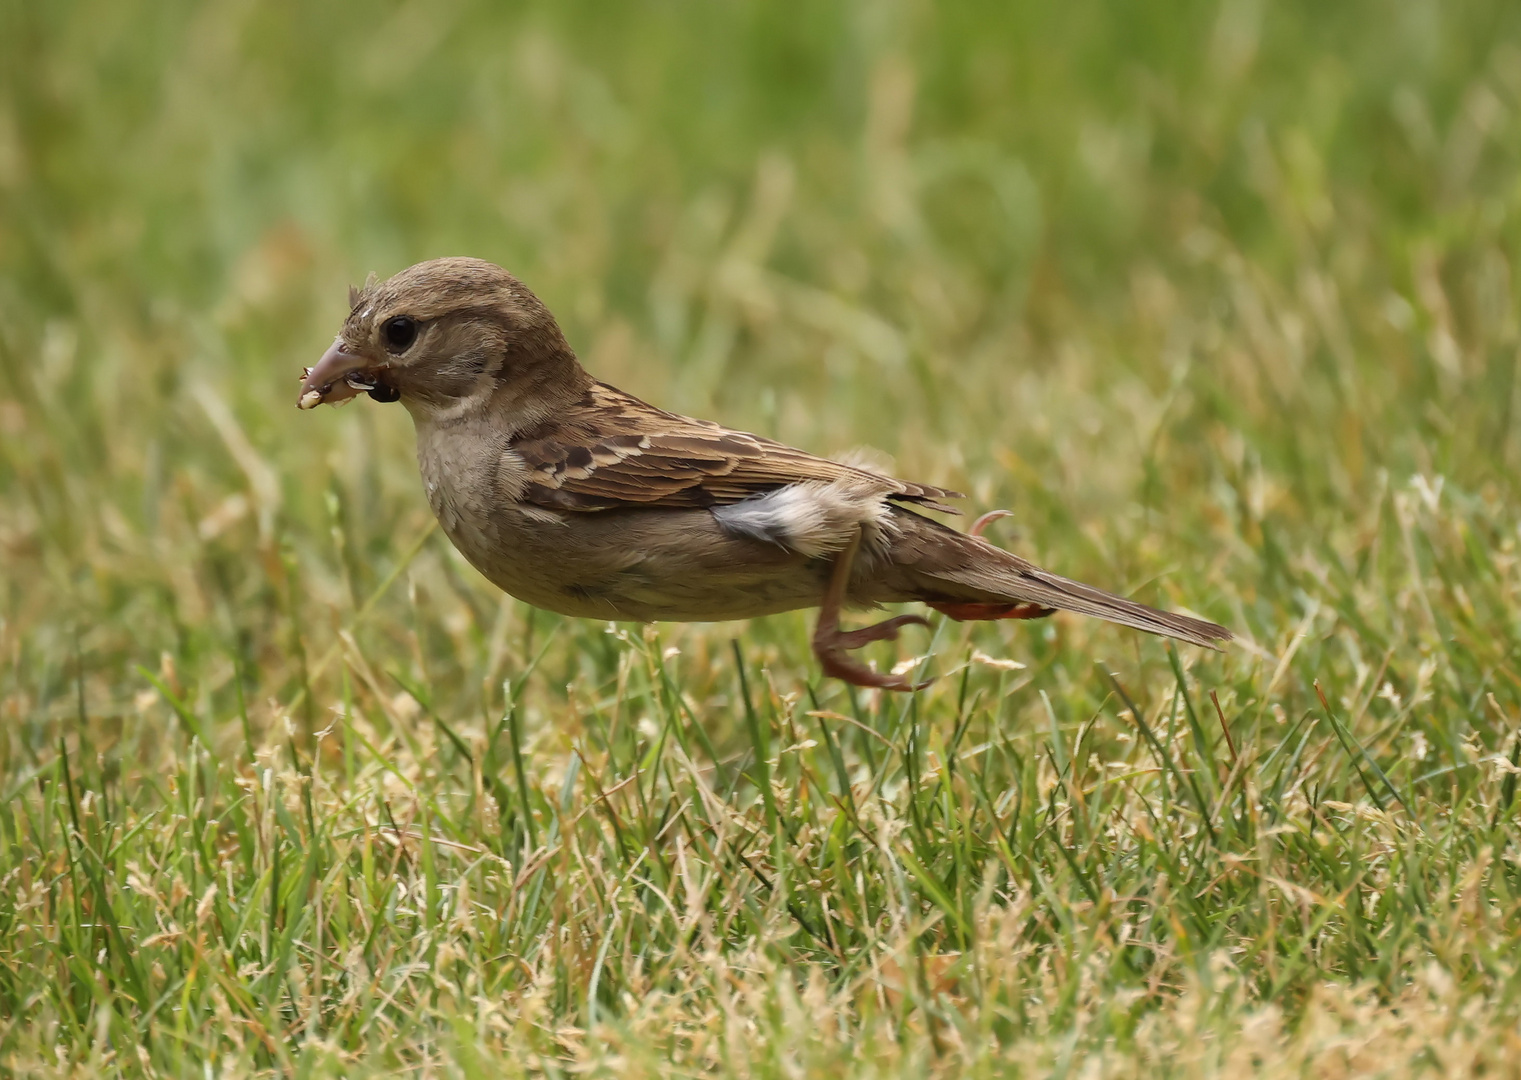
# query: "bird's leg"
[966,611]
[830,643]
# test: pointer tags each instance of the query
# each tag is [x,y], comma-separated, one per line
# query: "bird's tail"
[976,580]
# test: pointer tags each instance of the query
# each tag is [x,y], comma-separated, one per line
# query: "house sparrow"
[577,497]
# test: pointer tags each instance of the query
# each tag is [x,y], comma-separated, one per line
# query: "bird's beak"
[338,376]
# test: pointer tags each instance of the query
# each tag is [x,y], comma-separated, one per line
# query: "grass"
[1221,300]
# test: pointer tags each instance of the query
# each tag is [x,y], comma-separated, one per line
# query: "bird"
[580,498]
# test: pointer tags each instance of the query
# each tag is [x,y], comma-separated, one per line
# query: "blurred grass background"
[1219,298]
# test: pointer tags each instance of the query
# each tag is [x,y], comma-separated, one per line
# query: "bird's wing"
[614,450]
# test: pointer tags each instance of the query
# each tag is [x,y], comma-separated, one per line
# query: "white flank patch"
[812,518]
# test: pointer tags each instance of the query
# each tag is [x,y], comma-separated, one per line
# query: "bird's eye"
[399,333]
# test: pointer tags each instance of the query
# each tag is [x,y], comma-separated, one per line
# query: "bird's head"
[442,336]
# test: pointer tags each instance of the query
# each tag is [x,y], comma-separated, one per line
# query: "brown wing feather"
[614,450]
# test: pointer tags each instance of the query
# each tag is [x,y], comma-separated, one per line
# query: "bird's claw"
[831,645]
[985,520]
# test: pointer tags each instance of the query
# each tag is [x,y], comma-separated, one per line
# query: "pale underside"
[756,557]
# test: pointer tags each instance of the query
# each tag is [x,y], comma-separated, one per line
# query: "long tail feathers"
[1053,590]
[1012,588]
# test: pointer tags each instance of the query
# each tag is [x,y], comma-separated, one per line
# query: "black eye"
[399,333]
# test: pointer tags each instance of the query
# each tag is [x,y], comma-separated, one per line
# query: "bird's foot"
[831,645]
[886,630]
[978,611]
[985,520]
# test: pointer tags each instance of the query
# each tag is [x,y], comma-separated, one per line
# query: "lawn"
[1221,300]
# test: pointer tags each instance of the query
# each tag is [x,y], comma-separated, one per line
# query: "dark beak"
[338,376]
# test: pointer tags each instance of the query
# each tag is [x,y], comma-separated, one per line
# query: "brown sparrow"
[577,497]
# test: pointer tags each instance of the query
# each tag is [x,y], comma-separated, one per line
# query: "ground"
[1219,299]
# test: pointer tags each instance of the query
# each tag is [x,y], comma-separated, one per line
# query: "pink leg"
[985,520]
[830,643]
[974,610]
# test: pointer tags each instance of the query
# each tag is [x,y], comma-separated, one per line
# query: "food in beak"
[339,376]
[369,384]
